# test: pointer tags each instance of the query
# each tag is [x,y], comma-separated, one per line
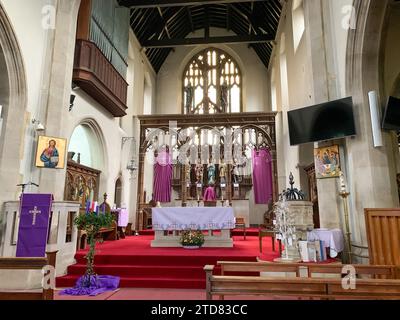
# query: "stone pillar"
[52,181]
[371,171]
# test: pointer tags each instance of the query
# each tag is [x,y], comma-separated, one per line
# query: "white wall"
[169,78]
[35,43]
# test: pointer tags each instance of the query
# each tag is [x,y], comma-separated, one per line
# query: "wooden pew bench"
[312,269]
[28,264]
[108,234]
[302,287]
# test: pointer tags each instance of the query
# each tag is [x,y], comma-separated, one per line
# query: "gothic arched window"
[212,83]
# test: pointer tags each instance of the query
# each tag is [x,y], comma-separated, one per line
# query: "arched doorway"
[13,98]
[118,193]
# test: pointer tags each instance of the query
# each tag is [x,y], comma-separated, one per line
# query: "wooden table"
[269,233]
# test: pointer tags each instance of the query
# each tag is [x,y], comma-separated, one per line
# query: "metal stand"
[344,196]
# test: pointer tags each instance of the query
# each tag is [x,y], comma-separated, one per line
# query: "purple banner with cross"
[34,225]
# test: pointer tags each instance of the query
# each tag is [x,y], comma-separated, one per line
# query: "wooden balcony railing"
[97,77]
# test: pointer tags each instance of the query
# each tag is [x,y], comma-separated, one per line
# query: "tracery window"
[212,84]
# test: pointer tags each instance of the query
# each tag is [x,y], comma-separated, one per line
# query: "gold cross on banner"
[35,212]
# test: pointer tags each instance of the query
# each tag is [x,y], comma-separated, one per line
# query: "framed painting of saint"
[327,162]
[51,152]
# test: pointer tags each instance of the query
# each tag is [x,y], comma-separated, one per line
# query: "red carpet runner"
[141,266]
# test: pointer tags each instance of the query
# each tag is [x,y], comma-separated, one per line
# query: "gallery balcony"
[94,74]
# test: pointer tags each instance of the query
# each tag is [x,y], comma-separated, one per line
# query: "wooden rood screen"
[383,231]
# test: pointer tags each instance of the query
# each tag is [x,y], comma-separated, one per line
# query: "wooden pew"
[28,264]
[308,287]
[387,272]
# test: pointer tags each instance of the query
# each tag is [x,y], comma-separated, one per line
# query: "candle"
[342,184]
[87,208]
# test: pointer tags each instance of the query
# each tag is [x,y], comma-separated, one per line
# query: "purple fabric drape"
[209,194]
[162,178]
[262,176]
[92,286]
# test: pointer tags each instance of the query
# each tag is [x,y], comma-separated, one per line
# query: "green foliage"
[92,223]
[192,238]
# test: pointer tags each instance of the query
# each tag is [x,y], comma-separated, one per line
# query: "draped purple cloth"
[162,186]
[209,194]
[92,286]
[262,176]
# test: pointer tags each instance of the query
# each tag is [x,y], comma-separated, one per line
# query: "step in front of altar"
[221,239]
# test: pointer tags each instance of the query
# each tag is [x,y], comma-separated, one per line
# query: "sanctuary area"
[199,149]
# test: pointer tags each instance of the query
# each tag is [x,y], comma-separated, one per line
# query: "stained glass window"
[212,84]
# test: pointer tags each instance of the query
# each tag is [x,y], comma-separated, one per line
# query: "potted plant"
[191,239]
[92,222]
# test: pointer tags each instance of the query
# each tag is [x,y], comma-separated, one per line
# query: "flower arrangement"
[192,238]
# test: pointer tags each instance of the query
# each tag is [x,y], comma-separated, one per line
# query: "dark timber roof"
[161,25]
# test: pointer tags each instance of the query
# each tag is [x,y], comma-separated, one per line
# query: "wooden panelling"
[98,78]
[383,232]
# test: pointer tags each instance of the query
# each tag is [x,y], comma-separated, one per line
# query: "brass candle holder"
[344,194]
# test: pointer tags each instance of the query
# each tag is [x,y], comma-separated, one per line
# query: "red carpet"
[141,266]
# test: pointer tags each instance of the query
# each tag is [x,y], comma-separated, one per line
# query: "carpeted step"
[158,260]
[142,271]
[141,266]
[142,282]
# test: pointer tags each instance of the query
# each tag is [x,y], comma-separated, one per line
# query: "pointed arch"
[212,83]
[14,106]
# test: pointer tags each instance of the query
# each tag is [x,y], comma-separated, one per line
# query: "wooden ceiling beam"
[170,43]
[175,3]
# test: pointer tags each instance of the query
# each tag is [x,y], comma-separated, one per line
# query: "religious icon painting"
[51,152]
[327,162]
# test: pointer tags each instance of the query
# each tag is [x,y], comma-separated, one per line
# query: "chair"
[264,232]
[267,229]
[241,223]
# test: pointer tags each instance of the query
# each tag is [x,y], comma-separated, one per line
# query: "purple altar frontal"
[33,228]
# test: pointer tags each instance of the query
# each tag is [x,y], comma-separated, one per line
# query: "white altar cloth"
[332,239]
[198,218]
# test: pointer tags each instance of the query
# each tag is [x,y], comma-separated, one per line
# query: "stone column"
[57,113]
[371,170]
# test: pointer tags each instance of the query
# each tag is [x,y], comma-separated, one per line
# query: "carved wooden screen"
[82,183]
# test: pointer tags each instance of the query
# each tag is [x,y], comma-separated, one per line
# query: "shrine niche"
[203,152]
[82,183]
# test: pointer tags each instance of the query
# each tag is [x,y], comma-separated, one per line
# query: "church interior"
[199,149]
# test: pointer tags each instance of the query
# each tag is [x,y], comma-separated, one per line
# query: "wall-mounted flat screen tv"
[326,121]
[391,117]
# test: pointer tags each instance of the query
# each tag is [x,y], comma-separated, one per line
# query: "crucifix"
[35,212]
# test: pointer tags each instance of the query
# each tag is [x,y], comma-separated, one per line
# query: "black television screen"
[391,118]
[326,121]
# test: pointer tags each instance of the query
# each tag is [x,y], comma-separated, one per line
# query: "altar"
[169,222]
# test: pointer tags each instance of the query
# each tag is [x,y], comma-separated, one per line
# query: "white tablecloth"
[197,218]
[332,239]
[123,218]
